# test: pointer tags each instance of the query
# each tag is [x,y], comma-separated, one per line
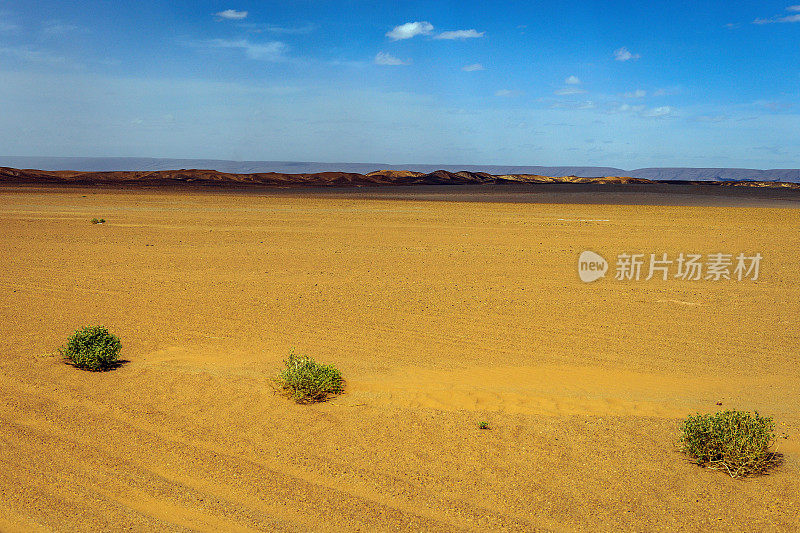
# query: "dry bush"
[734,441]
[92,348]
[307,381]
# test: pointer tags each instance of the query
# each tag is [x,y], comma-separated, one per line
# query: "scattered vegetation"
[306,381]
[734,441]
[98,221]
[483,425]
[92,348]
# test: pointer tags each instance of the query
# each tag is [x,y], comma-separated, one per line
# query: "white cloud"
[642,111]
[660,112]
[409,30]
[460,34]
[507,93]
[778,18]
[232,14]
[273,51]
[569,90]
[623,54]
[573,80]
[472,68]
[625,108]
[383,58]
[790,18]
[638,93]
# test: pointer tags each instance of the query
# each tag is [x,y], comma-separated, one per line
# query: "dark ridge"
[331,179]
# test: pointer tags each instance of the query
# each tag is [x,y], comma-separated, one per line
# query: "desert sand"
[440,314]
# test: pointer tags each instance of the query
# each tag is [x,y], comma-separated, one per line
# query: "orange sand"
[440,315]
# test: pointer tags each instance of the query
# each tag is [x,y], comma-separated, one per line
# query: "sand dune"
[440,315]
[332,179]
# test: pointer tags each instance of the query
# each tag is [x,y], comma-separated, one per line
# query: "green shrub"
[307,381]
[483,425]
[92,348]
[98,221]
[731,440]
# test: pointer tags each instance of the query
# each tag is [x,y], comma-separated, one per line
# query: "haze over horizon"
[666,84]
[136,164]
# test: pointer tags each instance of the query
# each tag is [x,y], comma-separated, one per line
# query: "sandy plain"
[440,314]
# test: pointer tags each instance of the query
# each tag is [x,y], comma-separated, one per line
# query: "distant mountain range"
[110,164]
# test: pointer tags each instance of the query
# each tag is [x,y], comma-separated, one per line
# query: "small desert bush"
[307,381]
[483,425]
[98,221]
[92,348]
[734,441]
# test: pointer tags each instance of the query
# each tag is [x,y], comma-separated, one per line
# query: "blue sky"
[625,84]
